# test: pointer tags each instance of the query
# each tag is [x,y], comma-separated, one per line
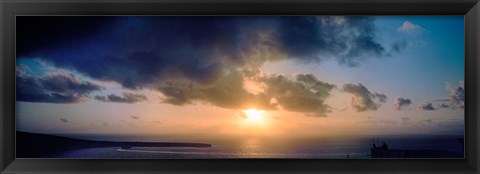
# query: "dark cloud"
[64,120]
[178,93]
[306,94]
[206,59]
[227,92]
[198,48]
[363,99]
[310,82]
[427,106]
[349,39]
[134,117]
[101,98]
[39,32]
[381,97]
[53,88]
[127,98]
[147,49]
[401,102]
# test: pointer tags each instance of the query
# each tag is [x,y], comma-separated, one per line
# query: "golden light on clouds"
[220,82]
[252,86]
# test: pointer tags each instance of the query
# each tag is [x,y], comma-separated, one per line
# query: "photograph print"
[230,87]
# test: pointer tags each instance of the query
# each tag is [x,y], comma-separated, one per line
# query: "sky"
[240,75]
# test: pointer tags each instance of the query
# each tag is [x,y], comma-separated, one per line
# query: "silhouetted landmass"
[384,152]
[32,145]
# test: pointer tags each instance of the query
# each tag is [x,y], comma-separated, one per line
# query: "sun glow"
[254,116]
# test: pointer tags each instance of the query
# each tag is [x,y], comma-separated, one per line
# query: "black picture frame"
[11,8]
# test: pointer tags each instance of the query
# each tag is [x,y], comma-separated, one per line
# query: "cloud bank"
[201,48]
[209,59]
[52,88]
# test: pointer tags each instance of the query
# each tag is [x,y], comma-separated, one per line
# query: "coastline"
[33,145]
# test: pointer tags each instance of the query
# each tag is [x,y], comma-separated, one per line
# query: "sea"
[261,147]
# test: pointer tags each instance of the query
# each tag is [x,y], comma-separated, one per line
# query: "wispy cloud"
[155,51]
[411,28]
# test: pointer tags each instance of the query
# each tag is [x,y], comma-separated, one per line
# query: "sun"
[254,116]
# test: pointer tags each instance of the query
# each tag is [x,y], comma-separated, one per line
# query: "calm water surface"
[262,147]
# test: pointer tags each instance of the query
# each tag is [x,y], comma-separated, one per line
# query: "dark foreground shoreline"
[32,145]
